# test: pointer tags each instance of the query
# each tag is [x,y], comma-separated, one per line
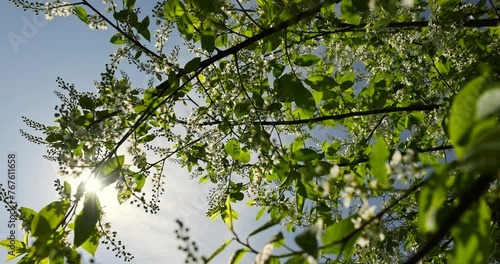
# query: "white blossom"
[334,171]
[396,158]
[348,194]
[264,255]
[362,240]
[357,222]
[367,213]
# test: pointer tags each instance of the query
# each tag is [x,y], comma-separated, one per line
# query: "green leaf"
[147,138]
[242,109]
[265,226]
[140,108]
[361,5]
[78,151]
[238,255]
[443,67]
[143,29]
[291,89]
[305,155]
[391,6]
[471,235]
[463,113]
[138,55]
[91,244]
[297,260]
[297,143]
[133,19]
[347,81]
[232,148]
[221,40]
[278,68]
[321,83]
[238,196]
[173,9]
[307,242]
[109,178]
[110,171]
[484,154]
[219,250]
[228,215]
[192,64]
[378,158]
[208,6]
[244,156]
[349,13]
[118,39]
[203,179]
[122,16]
[337,232]
[86,102]
[112,164]
[15,248]
[86,221]
[56,259]
[300,197]
[208,40]
[185,26]
[488,104]
[67,188]
[140,180]
[382,23]
[306,189]
[27,213]
[260,213]
[81,14]
[48,219]
[431,200]
[130,4]
[306,60]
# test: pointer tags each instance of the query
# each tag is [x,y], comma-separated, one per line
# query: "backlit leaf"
[81,14]
[306,60]
[471,235]
[378,158]
[208,40]
[48,219]
[86,221]
[173,9]
[118,39]
[349,13]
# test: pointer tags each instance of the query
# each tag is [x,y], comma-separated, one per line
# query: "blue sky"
[34,53]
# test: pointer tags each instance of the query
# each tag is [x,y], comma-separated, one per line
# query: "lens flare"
[93,185]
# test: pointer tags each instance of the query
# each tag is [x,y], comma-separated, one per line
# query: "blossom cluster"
[57,8]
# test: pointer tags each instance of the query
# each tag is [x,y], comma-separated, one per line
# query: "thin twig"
[248,15]
[134,41]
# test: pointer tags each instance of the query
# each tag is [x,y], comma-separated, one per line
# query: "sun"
[107,195]
[93,185]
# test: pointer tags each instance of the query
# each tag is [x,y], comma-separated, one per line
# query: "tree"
[305,109]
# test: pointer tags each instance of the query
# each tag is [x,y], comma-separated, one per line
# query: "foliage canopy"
[383,110]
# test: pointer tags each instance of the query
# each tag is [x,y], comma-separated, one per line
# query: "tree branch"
[409,108]
[344,27]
